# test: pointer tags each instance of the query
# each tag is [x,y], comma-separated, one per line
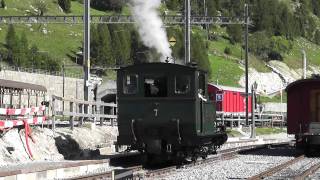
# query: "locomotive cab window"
[202,84]
[130,84]
[182,84]
[155,86]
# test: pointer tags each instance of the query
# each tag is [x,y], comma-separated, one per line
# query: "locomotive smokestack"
[150,26]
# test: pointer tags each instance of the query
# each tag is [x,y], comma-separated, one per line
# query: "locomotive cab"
[164,109]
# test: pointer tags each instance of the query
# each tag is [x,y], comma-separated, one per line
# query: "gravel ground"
[316,175]
[282,137]
[242,167]
[295,169]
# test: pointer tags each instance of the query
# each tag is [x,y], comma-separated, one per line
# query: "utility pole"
[246,60]
[187,30]
[63,83]
[86,49]
[205,10]
[304,64]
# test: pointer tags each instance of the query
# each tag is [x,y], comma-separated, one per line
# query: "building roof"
[228,88]
[21,85]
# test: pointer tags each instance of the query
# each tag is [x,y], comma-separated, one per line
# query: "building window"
[155,86]
[182,84]
[130,84]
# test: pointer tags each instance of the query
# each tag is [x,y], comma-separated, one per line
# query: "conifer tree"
[317,37]
[11,37]
[65,5]
[3,4]
[235,33]
[24,50]
[105,55]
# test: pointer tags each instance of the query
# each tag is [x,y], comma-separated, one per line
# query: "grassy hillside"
[25,7]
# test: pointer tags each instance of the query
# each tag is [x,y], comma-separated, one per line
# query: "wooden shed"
[10,89]
[228,99]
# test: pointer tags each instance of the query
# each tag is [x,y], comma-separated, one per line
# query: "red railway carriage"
[228,99]
[303,112]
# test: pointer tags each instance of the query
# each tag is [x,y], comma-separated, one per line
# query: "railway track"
[226,154]
[131,172]
[273,170]
[106,169]
[278,169]
[307,172]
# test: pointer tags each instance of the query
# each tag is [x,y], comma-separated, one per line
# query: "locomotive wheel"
[204,156]
[194,158]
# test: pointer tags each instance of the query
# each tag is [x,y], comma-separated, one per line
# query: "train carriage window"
[130,85]
[182,84]
[155,86]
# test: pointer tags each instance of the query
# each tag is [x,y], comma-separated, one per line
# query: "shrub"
[65,5]
[3,4]
[41,6]
[227,50]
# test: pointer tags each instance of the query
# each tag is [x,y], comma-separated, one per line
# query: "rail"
[83,111]
[276,169]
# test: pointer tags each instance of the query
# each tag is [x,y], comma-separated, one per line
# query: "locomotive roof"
[160,66]
[302,81]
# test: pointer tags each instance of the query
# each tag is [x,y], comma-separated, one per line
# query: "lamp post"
[253,94]
[246,60]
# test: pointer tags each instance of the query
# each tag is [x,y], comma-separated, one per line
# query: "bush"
[274,55]
[3,4]
[112,5]
[227,50]
[41,6]
[65,5]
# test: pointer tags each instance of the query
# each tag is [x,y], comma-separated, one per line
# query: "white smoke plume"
[150,25]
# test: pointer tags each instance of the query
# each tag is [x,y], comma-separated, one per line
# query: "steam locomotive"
[164,111]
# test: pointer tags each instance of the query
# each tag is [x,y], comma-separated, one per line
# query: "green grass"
[62,40]
[237,53]
[59,43]
[224,71]
[266,131]
[294,58]
[23,7]
[233,133]
[276,99]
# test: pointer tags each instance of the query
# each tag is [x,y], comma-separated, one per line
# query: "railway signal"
[172,41]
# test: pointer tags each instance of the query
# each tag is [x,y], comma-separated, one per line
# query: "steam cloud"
[150,26]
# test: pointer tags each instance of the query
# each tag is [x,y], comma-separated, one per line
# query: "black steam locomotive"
[164,111]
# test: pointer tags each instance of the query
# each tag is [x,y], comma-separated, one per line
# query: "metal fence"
[41,71]
[79,111]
